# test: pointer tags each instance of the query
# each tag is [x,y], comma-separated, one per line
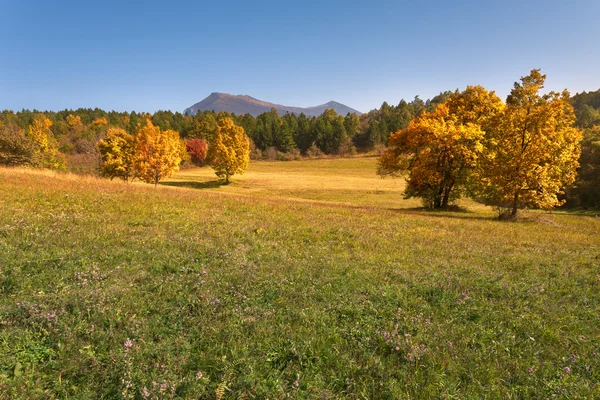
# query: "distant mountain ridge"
[244,104]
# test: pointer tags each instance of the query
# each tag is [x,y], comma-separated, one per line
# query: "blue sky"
[147,55]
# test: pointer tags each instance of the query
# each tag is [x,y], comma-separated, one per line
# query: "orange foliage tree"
[158,153]
[440,149]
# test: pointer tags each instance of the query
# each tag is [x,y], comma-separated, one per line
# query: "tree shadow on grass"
[463,214]
[196,185]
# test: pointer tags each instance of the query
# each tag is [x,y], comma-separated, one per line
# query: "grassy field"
[308,279]
[342,181]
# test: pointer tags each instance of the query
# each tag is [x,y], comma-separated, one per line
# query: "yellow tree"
[229,149]
[73,120]
[157,153]
[533,149]
[40,133]
[117,152]
[75,124]
[440,149]
[46,154]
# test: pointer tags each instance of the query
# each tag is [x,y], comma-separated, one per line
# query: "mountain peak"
[243,104]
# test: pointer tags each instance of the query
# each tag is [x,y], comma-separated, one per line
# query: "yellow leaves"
[534,149]
[39,131]
[117,154]
[157,154]
[46,151]
[440,149]
[151,155]
[73,121]
[229,149]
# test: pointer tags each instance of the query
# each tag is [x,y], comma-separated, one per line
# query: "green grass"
[284,285]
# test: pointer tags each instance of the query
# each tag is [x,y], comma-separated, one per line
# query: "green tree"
[585,191]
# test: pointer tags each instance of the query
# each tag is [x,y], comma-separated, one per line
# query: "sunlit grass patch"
[278,285]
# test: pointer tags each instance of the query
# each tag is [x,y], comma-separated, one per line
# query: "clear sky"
[147,56]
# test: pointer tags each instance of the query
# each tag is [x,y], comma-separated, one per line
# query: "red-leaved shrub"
[197,149]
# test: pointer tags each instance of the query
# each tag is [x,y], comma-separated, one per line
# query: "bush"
[16,148]
[84,146]
[313,151]
[271,153]
[197,149]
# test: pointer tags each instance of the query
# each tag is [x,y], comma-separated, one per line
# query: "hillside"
[242,104]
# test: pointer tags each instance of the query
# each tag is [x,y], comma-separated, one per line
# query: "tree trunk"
[437,198]
[515,204]
[446,198]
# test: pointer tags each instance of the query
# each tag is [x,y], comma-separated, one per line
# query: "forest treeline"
[76,133]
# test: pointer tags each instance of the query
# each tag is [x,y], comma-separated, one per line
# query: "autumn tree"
[532,149]
[158,153]
[75,124]
[46,153]
[40,133]
[229,149]
[440,149]
[198,150]
[100,121]
[117,152]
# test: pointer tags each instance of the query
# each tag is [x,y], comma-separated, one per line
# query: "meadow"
[305,279]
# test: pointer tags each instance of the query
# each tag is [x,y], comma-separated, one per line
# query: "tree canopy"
[532,149]
[229,150]
[440,149]
[157,153]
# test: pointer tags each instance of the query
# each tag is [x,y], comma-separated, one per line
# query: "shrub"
[198,150]
[15,147]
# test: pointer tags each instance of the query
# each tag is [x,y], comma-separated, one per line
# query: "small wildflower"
[199,374]
[450,344]
[127,344]
[145,393]
[531,371]
[397,348]
[567,370]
